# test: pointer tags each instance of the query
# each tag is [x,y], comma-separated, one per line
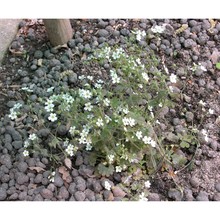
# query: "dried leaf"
[68,163]
[65,173]
[38,169]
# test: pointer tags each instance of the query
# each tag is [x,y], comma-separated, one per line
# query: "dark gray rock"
[31,162]
[108,196]
[102,24]
[103,33]
[180,72]
[189,43]
[217,186]
[40,164]
[44,132]
[175,194]
[176,121]
[192,23]
[202,82]
[118,192]
[8,146]
[90,194]
[15,134]
[51,187]
[216,197]
[21,178]
[63,193]
[218,81]
[80,183]
[8,138]
[17,144]
[3,194]
[189,116]
[153,197]
[22,166]
[38,197]
[72,188]
[188,195]
[79,196]
[98,197]
[202,196]
[38,178]
[86,171]
[75,172]
[195,182]
[62,130]
[22,196]
[14,196]
[46,194]
[38,54]
[72,78]
[97,186]
[79,160]
[6,160]
[58,181]
[5,178]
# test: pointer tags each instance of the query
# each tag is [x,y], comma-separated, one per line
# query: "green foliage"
[218,66]
[113,117]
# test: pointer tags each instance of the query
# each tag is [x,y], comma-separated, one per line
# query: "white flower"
[111,158]
[160,105]
[90,78]
[88,106]
[202,103]
[49,102]
[115,78]
[138,61]
[17,106]
[72,130]
[157,122]
[13,115]
[139,134]
[153,143]
[26,153]
[52,117]
[118,169]
[88,147]
[206,138]
[81,77]
[128,121]
[146,140]
[106,102]
[158,29]
[139,34]
[32,137]
[70,149]
[145,76]
[107,185]
[125,110]
[211,111]
[204,132]
[202,67]
[142,197]
[68,98]
[173,78]
[99,122]
[140,86]
[51,177]
[171,88]
[26,144]
[49,108]
[85,93]
[65,143]
[150,108]
[90,116]
[107,119]
[147,184]
[98,86]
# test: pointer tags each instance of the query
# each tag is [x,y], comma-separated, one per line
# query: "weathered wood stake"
[59,31]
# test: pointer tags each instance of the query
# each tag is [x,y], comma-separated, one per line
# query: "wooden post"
[59,31]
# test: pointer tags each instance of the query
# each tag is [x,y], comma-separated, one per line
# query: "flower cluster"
[15,111]
[115,78]
[139,34]
[158,29]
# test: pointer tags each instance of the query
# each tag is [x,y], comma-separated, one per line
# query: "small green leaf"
[218,66]
[184,144]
